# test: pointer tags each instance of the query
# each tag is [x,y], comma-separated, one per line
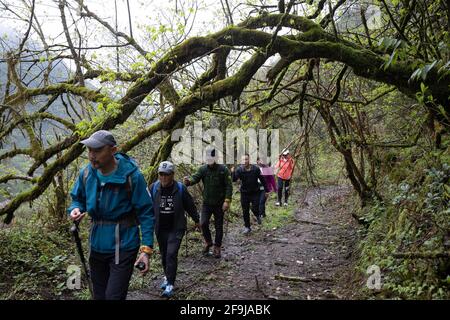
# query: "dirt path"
[314,247]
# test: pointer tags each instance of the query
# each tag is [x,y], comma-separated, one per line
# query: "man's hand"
[76,215]
[186,181]
[226,206]
[266,195]
[143,257]
[232,169]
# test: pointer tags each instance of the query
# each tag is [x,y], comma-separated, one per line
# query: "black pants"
[262,203]
[169,242]
[110,281]
[283,184]
[207,212]
[248,199]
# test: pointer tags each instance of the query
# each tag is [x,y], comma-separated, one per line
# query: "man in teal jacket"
[113,191]
[217,192]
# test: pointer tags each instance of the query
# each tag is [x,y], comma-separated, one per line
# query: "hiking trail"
[308,257]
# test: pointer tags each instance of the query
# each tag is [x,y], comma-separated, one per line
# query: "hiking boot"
[247,230]
[216,252]
[206,248]
[164,283]
[168,291]
[277,204]
[258,218]
[285,204]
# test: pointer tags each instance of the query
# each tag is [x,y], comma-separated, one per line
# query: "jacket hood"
[126,167]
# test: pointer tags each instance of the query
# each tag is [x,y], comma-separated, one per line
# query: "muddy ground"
[309,255]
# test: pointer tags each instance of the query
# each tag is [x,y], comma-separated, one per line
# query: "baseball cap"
[166,167]
[286,152]
[100,139]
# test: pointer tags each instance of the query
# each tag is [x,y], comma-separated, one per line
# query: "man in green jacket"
[217,192]
[113,192]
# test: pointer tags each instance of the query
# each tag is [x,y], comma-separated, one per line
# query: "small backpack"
[154,185]
[128,184]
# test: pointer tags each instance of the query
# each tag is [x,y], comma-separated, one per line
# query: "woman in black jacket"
[170,201]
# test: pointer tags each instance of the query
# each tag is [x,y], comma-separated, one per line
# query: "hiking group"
[126,213]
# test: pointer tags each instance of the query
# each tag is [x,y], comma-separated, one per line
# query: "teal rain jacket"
[114,202]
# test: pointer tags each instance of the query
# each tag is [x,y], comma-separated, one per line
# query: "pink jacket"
[267,174]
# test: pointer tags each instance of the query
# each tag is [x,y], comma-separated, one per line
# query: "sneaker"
[216,252]
[168,291]
[206,248]
[259,219]
[285,204]
[247,230]
[277,204]
[164,283]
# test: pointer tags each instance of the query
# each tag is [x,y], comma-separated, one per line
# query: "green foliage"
[277,217]
[33,262]
[398,48]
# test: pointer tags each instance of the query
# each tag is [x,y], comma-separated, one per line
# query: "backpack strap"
[128,184]
[128,221]
[152,189]
[129,187]
[155,184]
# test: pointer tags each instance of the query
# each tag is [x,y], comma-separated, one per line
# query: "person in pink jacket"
[284,168]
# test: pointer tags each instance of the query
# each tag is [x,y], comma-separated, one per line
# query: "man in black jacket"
[170,200]
[249,176]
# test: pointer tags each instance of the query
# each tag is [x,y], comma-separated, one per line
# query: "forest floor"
[304,251]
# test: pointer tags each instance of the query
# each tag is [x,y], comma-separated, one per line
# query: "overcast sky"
[148,12]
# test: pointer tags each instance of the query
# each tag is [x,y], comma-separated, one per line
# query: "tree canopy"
[311,53]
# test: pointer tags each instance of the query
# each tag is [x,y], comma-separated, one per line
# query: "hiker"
[113,192]
[284,167]
[170,200]
[249,175]
[217,192]
[268,176]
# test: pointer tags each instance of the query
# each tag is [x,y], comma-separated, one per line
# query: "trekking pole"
[226,226]
[75,232]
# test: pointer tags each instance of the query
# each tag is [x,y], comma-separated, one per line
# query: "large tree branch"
[27,94]
[61,5]
[364,63]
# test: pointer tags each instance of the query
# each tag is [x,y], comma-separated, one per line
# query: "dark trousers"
[169,242]
[207,212]
[262,203]
[248,199]
[110,281]
[283,184]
